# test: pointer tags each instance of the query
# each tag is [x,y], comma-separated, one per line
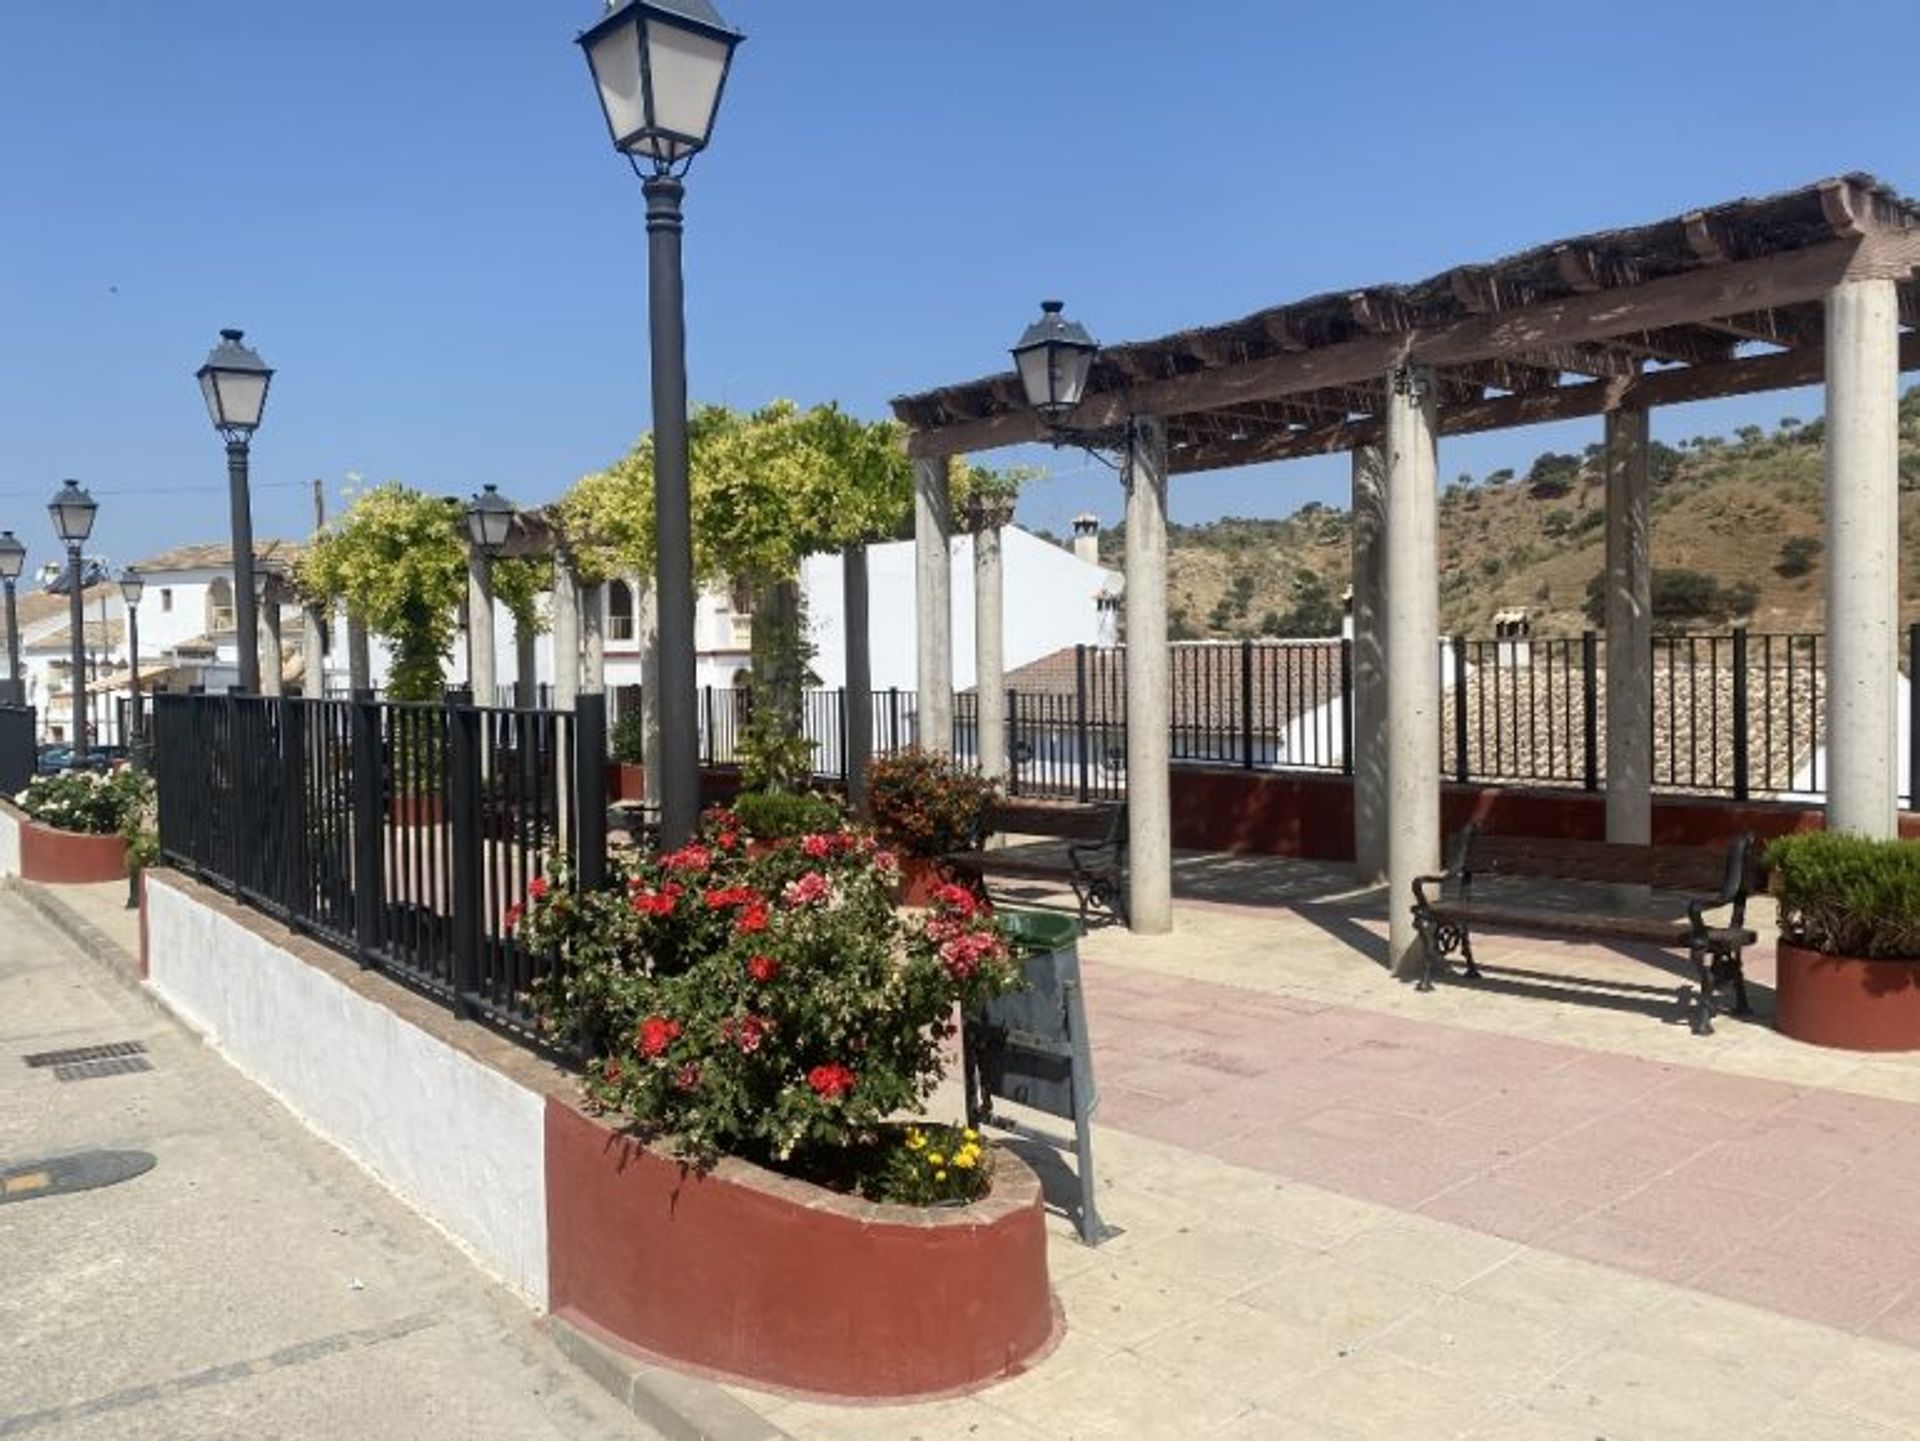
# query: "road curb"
[683,1408]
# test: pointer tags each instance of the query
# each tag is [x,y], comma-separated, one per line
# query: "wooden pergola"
[1816,284]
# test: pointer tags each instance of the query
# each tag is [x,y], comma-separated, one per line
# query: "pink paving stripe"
[1803,1201]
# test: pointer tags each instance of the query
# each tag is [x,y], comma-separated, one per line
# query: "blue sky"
[413,210]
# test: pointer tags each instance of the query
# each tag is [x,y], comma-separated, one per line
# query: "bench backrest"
[1101,821]
[1671,868]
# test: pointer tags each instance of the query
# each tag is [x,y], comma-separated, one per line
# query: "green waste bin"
[1038,932]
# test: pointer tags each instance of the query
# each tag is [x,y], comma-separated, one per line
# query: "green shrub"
[776,815]
[926,805]
[630,738]
[97,805]
[1848,896]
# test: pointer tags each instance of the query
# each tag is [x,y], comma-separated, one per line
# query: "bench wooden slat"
[1044,818]
[1655,930]
[1672,868]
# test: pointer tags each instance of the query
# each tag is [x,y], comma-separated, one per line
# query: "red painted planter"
[760,1278]
[920,877]
[625,782]
[416,810]
[1854,1005]
[70,858]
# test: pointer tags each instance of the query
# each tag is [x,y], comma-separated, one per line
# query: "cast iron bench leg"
[1703,1012]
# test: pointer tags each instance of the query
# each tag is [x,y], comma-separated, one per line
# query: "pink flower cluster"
[810,889]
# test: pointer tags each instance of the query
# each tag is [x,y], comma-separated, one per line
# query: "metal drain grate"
[106,1066]
[83,1054]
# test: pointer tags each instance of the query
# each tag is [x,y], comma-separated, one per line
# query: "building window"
[166,600]
[220,606]
[619,611]
[742,595]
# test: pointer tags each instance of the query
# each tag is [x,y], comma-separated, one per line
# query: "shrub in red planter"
[925,804]
[773,1006]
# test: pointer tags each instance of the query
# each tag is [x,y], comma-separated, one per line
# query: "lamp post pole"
[77,625]
[72,511]
[132,585]
[13,558]
[246,610]
[660,67]
[673,507]
[234,383]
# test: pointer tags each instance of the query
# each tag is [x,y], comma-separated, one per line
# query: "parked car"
[54,759]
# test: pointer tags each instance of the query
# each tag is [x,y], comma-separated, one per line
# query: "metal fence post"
[1740,706]
[1590,681]
[706,711]
[1461,771]
[369,825]
[1082,742]
[590,790]
[463,765]
[1913,718]
[1246,704]
[296,889]
[1013,741]
[893,720]
[1346,705]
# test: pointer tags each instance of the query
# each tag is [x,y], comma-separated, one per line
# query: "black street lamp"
[489,519]
[73,511]
[13,559]
[1054,358]
[132,586]
[660,67]
[234,381]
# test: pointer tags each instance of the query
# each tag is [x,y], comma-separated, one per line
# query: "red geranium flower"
[809,888]
[514,914]
[817,847]
[691,857]
[753,919]
[657,903]
[719,899]
[656,1034]
[830,1082]
[763,968]
[538,887]
[956,898]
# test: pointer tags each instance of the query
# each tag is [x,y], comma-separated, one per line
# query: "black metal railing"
[1736,713]
[19,747]
[402,834]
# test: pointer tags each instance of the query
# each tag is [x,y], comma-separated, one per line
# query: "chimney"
[1107,606]
[1086,538]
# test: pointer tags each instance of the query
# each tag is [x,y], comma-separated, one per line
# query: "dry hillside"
[1737,530]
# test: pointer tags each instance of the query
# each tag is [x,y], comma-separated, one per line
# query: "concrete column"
[859,692]
[566,633]
[359,656]
[933,602]
[646,621]
[270,635]
[1369,758]
[593,639]
[989,651]
[1629,639]
[313,651]
[1149,713]
[1863,557]
[482,678]
[1411,590]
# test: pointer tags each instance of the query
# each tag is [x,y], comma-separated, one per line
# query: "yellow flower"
[970,1134]
[934,1158]
[964,1160]
[939,1175]
[915,1141]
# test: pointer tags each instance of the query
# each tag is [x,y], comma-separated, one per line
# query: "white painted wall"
[456,1140]
[1051,602]
[9,845]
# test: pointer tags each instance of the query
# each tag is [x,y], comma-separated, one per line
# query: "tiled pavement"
[1537,1208]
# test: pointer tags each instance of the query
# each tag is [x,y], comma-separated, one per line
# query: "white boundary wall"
[9,844]
[456,1140]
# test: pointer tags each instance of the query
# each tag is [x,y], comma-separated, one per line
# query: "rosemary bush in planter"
[774,1007]
[89,802]
[781,815]
[1846,895]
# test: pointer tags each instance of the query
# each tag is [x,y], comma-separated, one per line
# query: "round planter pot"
[755,1277]
[920,877]
[1847,1003]
[70,858]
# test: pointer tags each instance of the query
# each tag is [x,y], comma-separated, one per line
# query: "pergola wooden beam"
[1749,376]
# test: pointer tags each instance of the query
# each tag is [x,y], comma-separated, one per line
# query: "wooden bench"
[1096,860]
[1653,895]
